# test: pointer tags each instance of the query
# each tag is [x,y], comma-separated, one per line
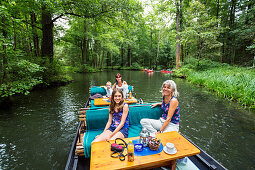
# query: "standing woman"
[120,84]
[169,121]
[118,121]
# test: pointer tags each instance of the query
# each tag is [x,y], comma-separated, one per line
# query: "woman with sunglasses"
[121,84]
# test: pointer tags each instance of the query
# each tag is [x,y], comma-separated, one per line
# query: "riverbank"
[25,87]
[234,83]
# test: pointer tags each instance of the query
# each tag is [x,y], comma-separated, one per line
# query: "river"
[37,131]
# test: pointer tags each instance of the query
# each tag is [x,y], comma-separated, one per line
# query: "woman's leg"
[103,136]
[151,125]
[172,127]
[117,135]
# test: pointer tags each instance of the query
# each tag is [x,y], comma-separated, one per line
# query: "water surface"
[37,131]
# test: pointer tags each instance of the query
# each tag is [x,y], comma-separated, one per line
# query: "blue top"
[165,107]
[116,119]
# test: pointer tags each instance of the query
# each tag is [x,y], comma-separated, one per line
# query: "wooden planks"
[79,150]
[104,101]
[100,154]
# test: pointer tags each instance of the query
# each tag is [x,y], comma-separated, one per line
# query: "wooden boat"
[80,159]
[149,71]
[166,71]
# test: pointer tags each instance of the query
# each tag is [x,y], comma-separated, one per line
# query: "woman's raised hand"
[154,105]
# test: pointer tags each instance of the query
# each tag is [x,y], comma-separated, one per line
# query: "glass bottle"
[130,95]
[131,151]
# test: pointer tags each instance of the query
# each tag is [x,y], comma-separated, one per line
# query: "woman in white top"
[120,84]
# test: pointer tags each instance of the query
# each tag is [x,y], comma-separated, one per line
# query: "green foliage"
[136,66]
[84,69]
[234,83]
[24,76]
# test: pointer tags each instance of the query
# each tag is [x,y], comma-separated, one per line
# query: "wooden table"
[100,154]
[104,101]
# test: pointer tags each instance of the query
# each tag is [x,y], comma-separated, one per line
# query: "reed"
[234,83]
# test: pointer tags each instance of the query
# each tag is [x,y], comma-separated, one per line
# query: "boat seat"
[97,119]
[102,91]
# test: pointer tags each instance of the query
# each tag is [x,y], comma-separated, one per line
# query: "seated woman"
[118,121]
[121,84]
[169,121]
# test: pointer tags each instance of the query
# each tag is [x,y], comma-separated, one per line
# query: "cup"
[170,147]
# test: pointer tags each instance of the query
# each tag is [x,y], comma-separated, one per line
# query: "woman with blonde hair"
[118,121]
[169,120]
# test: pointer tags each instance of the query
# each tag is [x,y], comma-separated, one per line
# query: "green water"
[37,131]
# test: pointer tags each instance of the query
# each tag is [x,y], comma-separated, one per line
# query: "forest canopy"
[130,34]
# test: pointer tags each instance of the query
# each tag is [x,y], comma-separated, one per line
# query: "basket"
[154,144]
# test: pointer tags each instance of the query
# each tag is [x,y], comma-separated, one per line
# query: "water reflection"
[37,132]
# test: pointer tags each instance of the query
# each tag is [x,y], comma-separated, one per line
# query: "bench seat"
[97,119]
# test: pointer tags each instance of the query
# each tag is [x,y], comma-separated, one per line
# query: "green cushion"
[97,119]
[102,91]
[138,112]
[130,88]
[134,130]
[88,138]
[97,89]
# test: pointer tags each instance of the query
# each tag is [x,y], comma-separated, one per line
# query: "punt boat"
[166,71]
[79,155]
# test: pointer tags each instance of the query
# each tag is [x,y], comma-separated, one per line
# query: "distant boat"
[149,71]
[166,71]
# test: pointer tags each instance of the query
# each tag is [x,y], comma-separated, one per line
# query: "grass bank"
[234,83]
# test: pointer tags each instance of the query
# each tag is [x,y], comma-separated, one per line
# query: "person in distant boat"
[118,121]
[169,121]
[108,89]
[120,84]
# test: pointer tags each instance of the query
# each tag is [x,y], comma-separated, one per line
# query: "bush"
[85,69]
[24,75]
[136,66]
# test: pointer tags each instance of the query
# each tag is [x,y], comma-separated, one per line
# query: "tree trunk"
[231,25]
[15,36]
[178,45]
[47,39]
[157,51]
[151,54]
[29,46]
[35,35]
[122,55]
[111,61]
[128,56]
[5,78]
[108,59]
[217,11]
[181,26]
[84,44]
[102,61]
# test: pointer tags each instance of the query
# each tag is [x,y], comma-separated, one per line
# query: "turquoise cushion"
[130,88]
[134,130]
[97,119]
[102,91]
[97,89]
[137,112]
[88,138]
